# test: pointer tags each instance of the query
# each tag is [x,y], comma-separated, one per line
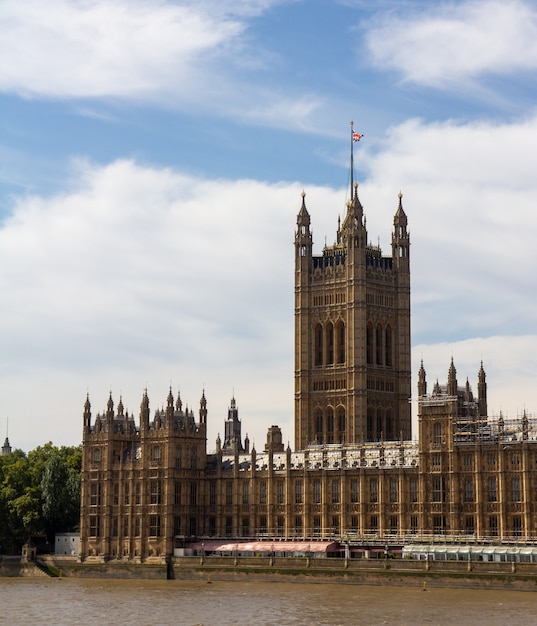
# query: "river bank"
[476,575]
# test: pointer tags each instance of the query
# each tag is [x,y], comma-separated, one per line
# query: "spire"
[452,380]
[303,238]
[400,235]
[422,381]
[144,411]
[482,392]
[203,408]
[120,407]
[179,403]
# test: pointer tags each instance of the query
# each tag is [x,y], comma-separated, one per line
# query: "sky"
[152,160]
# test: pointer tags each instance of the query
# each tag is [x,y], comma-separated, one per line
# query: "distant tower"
[352,333]
[232,432]
[6,448]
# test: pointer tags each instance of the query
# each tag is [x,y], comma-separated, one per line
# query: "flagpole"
[352,157]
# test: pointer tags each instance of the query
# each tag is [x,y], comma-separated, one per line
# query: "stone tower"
[352,333]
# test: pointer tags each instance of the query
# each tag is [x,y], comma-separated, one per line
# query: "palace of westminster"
[150,485]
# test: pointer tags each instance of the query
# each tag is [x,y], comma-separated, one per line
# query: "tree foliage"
[39,493]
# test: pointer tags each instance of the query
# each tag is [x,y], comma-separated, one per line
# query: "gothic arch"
[318,332]
[340,342]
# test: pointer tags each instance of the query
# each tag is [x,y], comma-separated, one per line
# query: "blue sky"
[152,157]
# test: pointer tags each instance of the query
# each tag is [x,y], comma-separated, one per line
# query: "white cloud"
[137,276]
[449,44]
[93,49]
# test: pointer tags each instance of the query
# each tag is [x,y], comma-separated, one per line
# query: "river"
[160,602]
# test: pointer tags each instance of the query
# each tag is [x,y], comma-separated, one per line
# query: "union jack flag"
[356,136]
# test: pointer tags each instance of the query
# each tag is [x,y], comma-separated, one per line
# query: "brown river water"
[191,603]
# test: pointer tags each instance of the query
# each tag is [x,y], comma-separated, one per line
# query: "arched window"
[330,425]
[319,426]
[369,342]
[318,345]
[389,425]
[389,346]
[341,424]
[369,424]
[380,429]
[378,341]
[329,343]
[340,334]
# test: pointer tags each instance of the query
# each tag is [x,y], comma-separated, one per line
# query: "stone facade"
[355,473]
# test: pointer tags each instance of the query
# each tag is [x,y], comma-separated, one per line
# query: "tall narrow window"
[369,343]
[341,342]
[329,343]
[317,492]
[318,345]
[378,341]
[388,347]
[330,426]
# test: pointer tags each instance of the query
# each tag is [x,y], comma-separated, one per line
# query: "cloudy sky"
[152,157]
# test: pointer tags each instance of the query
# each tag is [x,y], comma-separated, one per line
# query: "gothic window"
[330,343]
[177,494]
[212,492]
[414,524]
[125,526]
[298,492]
[115,526]
[493,526]
[126,494]
[280,492]
[229,492]
[369,343]
[379,423]
[492,491]
[316,525]
[319,426]
[437,434]
[95,494]
[154,525]
[229,526]
[439,494]
[193,493]
[394,490]
[94,526]
[177,525]
[341,424]
[470,524]
[263,492]
[378,341]
[413,490]
[246,493]
[116,494]
[515,490]
[389,425]
[280,525]
[156,453]
[355,490]
[340,331]
[388,346]
[155,492]
[137,526]
[138,494]
[469,490]
[318,345]
[317,492]
[370,424]
[373,491]
[517,526]
[245,526]
[263,524]
[298,526]
[335,492]
[96,455]
[193,458]
[330,426]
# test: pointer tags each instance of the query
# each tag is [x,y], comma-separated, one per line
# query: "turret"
[400,237]
[144,412]
[422,381]
[203,408]
[303,238]
[482,392]
[87,414]
[110,412]
[452,380]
